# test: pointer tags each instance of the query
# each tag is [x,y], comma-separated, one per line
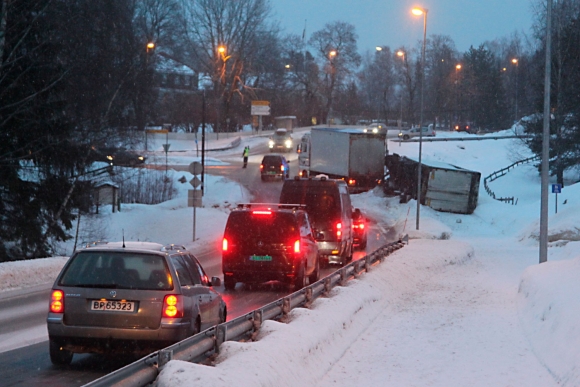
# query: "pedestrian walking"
[245,155]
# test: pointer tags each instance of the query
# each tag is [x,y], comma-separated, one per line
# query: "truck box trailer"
[444,187]
[348,154]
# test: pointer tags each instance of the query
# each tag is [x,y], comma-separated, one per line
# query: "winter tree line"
[78,75]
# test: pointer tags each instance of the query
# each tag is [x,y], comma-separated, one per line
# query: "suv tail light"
[338,230]
[297,246]
[57,301]
[261,166]
[224,244]
[262,212]
[172,306]
[282,168]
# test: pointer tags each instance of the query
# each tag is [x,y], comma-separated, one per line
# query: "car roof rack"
[92,244]
[281,206]
[173,247]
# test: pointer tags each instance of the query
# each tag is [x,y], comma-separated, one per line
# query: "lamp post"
[418,12]
[222,50]
[515,61]
[331,55]
[401,54]
[457,68]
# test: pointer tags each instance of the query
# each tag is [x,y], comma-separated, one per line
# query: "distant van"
[329,208]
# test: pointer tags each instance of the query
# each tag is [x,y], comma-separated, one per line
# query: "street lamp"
[457,68]
[401,54]
[331,55]
[515,61]
[418,12]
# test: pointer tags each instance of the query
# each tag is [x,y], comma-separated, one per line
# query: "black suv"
[269,242]
[274,166]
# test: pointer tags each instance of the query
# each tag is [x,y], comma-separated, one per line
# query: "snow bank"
[549,314]
[302,351]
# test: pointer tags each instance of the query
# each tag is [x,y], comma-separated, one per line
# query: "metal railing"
[204,344]
[503,172]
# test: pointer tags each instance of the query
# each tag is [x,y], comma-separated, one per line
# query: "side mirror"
[216,281]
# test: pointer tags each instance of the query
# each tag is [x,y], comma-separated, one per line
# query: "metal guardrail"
[503,172]
[204,344]
[471,138]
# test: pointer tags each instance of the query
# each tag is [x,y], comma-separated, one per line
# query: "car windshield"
[121,270]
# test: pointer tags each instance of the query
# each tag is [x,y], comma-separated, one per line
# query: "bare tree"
[223,39]
[335,46]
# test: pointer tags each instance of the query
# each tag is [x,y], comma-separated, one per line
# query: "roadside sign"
[194,200]
[195,168]
[166,147]
[260,108]
[195,182]
[556,188]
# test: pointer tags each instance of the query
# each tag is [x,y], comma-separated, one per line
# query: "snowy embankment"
[302,351]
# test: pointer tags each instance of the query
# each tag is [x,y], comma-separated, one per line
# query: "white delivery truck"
[348,154]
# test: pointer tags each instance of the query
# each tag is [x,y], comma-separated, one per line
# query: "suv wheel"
[406,137]
[300,280]
[59,356]
[229,283]
[312,278]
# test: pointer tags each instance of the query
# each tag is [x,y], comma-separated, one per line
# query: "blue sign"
[556,188]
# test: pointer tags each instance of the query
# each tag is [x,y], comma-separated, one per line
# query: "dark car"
[359,229]
[269,242]
[129,297]
[120,157]
[274,166]
[464,127]
[330,211]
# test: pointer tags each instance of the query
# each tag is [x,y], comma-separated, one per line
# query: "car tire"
[312,278]
[263,177]
[363,244]
[229,283]
[406,137]
[58,355]
[300,279]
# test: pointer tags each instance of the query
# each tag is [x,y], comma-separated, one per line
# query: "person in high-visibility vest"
[245,155]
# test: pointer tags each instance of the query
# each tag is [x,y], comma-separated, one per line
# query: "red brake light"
[282,168]
[338,229]
[261,166]
[57,301]
[224,244]
[297,246]
[262,212]
[351,182]
[172,306]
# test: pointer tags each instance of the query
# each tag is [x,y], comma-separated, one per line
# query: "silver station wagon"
[129,297]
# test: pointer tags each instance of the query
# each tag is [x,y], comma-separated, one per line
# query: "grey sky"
[390,22]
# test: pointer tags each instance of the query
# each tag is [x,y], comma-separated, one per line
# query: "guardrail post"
[367,263]
[355,269]
[343,277]
[308,297]
[164,356]
[220,337]
[285,309]
[327,287]
[257,320]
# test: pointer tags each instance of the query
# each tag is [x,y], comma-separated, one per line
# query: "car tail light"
[297,246]
[172,306]
[57,301]
[262,212]
[282,168]
[351,181]
[261,166]
[224,244]
[359,225]
[338,230]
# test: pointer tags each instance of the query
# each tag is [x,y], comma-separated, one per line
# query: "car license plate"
[113,306]
[260,258]
[271,173]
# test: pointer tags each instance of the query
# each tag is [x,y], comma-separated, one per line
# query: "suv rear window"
[122,270]
[273,227]
[321,202]
[272,160]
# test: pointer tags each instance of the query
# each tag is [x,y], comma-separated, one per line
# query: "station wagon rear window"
[106,269]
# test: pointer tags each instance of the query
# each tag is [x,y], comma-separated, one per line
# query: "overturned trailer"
[444,187]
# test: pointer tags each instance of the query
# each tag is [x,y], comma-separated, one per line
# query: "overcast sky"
[390,22]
